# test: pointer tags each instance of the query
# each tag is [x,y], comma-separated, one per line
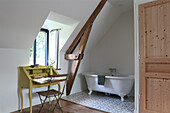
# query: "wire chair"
[53,93]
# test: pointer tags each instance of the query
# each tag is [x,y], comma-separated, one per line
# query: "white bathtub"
[120,84]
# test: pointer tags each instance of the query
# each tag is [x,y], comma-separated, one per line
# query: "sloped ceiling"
[110,13]
[106,18]
[21,20]
[65,24]
[123,5]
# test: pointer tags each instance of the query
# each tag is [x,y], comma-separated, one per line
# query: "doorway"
[154,29]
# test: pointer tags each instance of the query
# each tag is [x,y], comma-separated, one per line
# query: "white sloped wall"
[116,48]
[21,21]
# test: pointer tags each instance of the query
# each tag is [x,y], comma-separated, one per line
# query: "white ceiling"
[21,20]
[58,21]
[61,18]
[106,19]
[123,5]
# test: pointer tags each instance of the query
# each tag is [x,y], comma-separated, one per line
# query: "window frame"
[46,48]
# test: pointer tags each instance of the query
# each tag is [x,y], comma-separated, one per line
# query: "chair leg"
[50,106]
[57,103]
[42,102]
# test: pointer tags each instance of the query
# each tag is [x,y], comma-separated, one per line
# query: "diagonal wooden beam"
[81,39]
[76,63]
[90,20]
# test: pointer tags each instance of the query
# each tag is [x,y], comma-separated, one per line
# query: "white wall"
[116,49]
[10,59]
[102,24]
[19,26]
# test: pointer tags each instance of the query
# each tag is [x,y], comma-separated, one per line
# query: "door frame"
[136,4]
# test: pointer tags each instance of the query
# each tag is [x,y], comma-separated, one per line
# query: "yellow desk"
[26,73]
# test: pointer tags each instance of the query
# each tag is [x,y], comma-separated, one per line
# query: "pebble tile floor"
[101,101]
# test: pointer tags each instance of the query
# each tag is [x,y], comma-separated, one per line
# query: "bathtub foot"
[107,94]
[90,91]
[122,98]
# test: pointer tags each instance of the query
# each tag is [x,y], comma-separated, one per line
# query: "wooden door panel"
[156,31]
[158,95]
[157,67]
[155,57]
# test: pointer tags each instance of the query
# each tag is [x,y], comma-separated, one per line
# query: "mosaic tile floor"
[108,103]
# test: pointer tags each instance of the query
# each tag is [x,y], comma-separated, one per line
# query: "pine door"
[155,57]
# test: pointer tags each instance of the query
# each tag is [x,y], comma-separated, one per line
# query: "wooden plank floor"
[67,107]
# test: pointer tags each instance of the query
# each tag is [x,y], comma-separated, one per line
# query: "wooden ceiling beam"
[76,63]
[80,40]
[90,20]
[72,56]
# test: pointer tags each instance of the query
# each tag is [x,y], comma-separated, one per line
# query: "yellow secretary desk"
[27,73]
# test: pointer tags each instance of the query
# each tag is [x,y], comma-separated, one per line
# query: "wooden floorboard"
[67,107]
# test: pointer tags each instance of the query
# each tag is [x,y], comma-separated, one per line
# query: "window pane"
[40,48]
[53,49]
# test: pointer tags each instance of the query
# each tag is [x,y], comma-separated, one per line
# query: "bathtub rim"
[95,74]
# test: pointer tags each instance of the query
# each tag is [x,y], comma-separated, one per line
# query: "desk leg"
[30,97]
[49,96]
[59,88]
[20,89]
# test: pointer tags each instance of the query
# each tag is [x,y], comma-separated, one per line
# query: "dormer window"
[51,40]
[40,50]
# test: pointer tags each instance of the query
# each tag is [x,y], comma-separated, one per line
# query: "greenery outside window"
[39,52]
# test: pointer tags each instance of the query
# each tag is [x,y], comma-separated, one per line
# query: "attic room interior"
[81,56]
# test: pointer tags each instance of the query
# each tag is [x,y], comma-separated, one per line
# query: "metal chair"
[53,93]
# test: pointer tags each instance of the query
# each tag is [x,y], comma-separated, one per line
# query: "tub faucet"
[113,70]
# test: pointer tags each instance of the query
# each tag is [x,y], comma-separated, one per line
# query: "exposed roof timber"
[90,20]
[81,39]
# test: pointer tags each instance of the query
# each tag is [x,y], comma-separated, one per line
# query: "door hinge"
[139,57]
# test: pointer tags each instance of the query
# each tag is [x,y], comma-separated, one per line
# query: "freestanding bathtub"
[119,84]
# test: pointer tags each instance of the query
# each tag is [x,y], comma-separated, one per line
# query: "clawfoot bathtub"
[119,84]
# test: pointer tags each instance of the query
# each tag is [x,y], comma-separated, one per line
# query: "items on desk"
[35,65]
[41,79]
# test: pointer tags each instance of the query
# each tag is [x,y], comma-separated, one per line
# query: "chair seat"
[51,92]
